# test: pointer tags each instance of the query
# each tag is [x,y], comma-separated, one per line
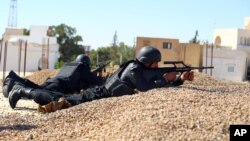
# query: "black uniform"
[125,81]
[131,76]
[70,79]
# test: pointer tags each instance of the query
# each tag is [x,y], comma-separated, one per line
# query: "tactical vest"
[70,75]
[115,86]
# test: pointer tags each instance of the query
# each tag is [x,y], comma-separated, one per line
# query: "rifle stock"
[154,73]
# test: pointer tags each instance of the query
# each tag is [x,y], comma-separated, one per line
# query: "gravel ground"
[199,110]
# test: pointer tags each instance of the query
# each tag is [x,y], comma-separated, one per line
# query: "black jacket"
[130,77]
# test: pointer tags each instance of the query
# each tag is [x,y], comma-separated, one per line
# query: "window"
[167,45]
[245,41]
[241,40]
[230,69]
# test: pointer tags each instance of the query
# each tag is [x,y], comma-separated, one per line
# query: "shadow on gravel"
[19,127]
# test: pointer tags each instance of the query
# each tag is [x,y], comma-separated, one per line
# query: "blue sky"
[97,20]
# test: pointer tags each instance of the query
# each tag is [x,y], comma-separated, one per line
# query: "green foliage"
[102,54]
[59,64]
[128,53]
[195,39]
[68,42]
[26,31]
[117,55]
[115,40]
[69,48]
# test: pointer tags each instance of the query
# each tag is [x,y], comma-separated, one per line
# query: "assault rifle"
[100,67]
[154,73]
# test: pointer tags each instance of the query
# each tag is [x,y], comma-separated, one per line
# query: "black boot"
[11,79]
[7,86]
[18,91]
[9,82]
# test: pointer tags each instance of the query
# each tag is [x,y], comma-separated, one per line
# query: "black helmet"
[83,59]
[149,54]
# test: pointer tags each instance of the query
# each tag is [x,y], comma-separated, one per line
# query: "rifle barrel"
[173,62]
[210,67]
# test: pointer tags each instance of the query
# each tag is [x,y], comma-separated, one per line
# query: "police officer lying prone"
[127,80]
[72,78]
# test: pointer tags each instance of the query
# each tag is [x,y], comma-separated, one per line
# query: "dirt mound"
[199,110]
[40,76]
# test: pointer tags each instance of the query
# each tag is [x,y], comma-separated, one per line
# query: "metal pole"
[120,58]
[5,57]
[25,54]
[97,59]
[1,48]
[48,53]
[43,52]
[211,71]
[19,56]
[206,45]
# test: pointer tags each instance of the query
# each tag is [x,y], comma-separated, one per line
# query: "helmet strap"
[150,65]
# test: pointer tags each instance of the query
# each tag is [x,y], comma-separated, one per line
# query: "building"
[173,50]
[28,50]
[231,53]
[228,64]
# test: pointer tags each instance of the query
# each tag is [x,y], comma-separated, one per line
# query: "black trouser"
[95,93]
[53,85]
[44,97]
[101,92]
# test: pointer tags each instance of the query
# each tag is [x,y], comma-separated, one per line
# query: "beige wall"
[189,53]
[247,23]
[10,32]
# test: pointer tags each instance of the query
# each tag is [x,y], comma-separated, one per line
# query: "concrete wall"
[244,40]
[13,31]
[235,39]
[38,30]
[228,64]
[38,48]
[189,53]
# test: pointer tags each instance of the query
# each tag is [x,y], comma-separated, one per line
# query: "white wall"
[228,64]
[36,41]
[38,34]
[229,37]
[244,40]
[239,41]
